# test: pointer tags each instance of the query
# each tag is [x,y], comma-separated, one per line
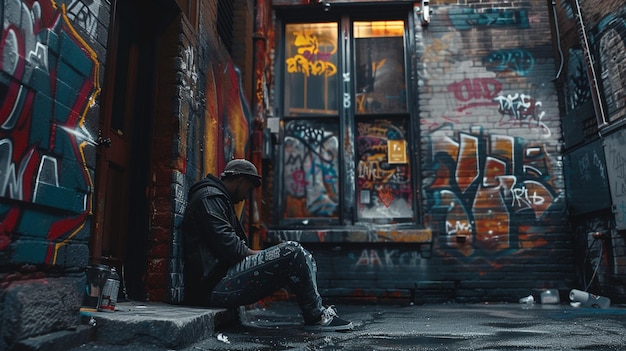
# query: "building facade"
[110,110]
[591,90]
[422,150]
[436,169]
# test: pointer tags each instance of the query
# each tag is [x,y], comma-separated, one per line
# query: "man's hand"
[253,252]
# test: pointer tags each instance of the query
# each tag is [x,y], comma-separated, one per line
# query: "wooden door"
[120,225]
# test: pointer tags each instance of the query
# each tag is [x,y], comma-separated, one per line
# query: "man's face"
[244,186]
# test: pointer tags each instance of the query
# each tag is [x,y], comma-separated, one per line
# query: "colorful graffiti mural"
[515,109]
[489,192]
[311,63]
[312,54]
[384,188]
[215,119]
[234,114]
[311,170]
[484,144]
[226,119]
[490,189]
[49,80]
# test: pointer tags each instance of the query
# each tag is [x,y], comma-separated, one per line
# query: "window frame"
[347,117]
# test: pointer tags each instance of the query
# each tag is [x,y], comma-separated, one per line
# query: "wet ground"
[278,326]
[436,327]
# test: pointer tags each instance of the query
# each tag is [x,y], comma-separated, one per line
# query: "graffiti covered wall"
[50,80]
[49,90]
[485,138]
[214,121]
[492,170]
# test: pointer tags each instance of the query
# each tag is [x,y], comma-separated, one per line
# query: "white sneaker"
[329,322]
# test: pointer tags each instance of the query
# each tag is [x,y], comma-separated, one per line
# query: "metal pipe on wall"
[591,71]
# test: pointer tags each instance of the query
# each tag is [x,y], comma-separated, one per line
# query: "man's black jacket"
[213,237]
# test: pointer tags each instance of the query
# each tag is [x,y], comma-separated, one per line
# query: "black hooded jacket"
[214,239]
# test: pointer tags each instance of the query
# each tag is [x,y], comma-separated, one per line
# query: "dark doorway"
[121,218]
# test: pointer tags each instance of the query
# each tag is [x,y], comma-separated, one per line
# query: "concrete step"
[158,324]
[61,340]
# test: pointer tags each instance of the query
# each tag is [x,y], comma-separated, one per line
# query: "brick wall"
[210,127]
[492,189]
[490,128]
[244,11]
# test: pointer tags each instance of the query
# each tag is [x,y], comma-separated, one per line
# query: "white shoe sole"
[327,328]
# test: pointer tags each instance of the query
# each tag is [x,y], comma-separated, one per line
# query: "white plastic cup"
[527,300]
[589,300]
[550,296]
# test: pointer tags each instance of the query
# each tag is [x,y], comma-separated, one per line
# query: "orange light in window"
[379,29]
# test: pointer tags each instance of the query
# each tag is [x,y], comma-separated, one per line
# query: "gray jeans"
[287,264]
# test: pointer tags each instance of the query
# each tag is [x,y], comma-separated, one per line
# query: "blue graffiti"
[467,18]
[519,61]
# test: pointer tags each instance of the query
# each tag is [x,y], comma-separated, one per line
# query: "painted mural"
[490,141]
[489,190]
[384,187]
[311,169]
[311,69]
[489,129]
[233,114]
[49,80]
[215,126]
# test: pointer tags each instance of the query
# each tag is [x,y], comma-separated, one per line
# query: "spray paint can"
[96,278]
[108,297]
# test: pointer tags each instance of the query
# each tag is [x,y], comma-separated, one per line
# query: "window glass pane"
[311,169]
[311,69]
[384,188]
[380,78]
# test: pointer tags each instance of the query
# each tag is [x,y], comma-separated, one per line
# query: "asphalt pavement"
[278,325]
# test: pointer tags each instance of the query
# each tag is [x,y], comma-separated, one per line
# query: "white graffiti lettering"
[458,227]
[392,258]
[521,198]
